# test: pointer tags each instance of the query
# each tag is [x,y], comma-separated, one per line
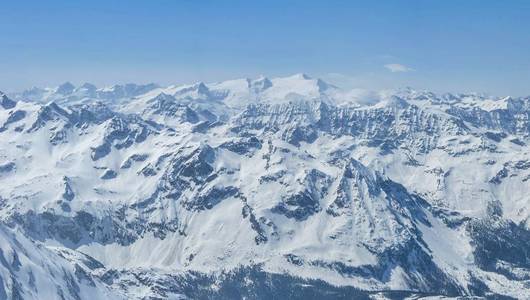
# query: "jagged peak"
[96,107]
[201,87]
[162,97]
[198,87]
[410,93]
[65,88]
[6,102]
[323,86]
[51,109]
[356,170]
[87,86]
[260,84]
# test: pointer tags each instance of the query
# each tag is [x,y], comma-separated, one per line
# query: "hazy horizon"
[453,46]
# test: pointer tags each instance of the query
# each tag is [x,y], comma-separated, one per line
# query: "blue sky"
[445,45]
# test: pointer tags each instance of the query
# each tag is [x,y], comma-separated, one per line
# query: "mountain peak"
[6,102]
[87,86]
[301,76]
[201,87]
[65,88]
[260,84]
[284,172]
[197,89]
[162,97]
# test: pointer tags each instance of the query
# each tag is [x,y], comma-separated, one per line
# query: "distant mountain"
[67,93]
[263,188]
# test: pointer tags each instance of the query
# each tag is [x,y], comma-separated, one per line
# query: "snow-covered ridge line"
[262,89]
[227,184]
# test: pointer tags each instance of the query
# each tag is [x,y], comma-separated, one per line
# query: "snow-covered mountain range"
[262,188]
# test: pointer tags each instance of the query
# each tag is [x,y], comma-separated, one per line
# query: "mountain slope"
[30,270]
[261,180]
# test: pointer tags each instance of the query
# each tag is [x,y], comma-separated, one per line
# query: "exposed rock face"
[5,102]
[31,271]
[260,188]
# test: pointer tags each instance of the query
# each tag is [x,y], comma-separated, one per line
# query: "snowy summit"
[261,188]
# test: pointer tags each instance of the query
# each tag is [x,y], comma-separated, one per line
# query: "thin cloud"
[395,68]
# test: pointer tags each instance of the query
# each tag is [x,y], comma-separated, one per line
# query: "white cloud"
[362,96]
[397,68]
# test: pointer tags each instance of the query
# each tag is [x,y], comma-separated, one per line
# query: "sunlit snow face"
[292,174]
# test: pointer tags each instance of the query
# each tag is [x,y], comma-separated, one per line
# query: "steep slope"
[30,270]
[245,183]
